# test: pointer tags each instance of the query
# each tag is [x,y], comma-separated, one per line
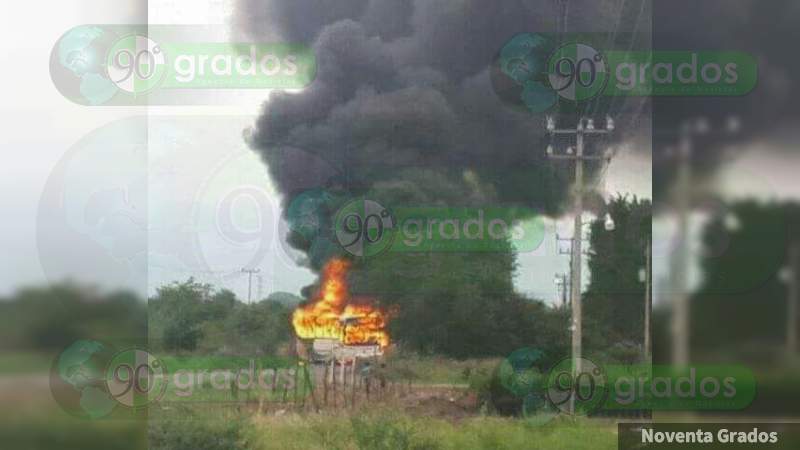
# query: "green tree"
[220,305]
[258,328]
[176,314]
[181,334]
[741,294]
[614,298]
[285,298]
[52,317]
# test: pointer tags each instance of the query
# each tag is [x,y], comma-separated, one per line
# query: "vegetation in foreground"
[377,430]
[380,431]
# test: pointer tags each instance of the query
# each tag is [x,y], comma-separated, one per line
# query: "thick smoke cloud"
[768,31]
[403,103]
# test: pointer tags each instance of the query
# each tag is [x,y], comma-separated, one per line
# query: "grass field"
[30,419]
[440,370]
[421,369]
[18,363]
[385,430]
[53,429]
[211,420]
[375,428]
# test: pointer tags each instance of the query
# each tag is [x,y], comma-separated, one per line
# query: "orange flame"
[329,316]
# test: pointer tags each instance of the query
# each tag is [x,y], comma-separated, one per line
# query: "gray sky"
[40,124]
[138,222]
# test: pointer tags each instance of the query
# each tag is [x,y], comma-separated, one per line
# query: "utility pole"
[562,278]
[680,317]
[648,302]
[563,13]
[250,273]
[680,260]
[563,288]
[789,276]
[584,128]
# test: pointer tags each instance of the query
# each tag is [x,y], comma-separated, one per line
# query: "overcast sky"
[62,155]
[39,124]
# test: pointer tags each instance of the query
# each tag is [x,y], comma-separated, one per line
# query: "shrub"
[387,432]
[196,434]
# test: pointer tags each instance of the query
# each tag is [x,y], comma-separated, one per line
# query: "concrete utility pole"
[648,302]
[789,276]
[565,279]
[680,260]
[680,317]
[584,128]
[564,285]
[250,273]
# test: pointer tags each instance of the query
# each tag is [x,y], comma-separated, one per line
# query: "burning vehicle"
[337,325]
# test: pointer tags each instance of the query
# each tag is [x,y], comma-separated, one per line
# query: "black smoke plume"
[403,108]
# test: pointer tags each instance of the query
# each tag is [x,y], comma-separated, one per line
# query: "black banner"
[647,436]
